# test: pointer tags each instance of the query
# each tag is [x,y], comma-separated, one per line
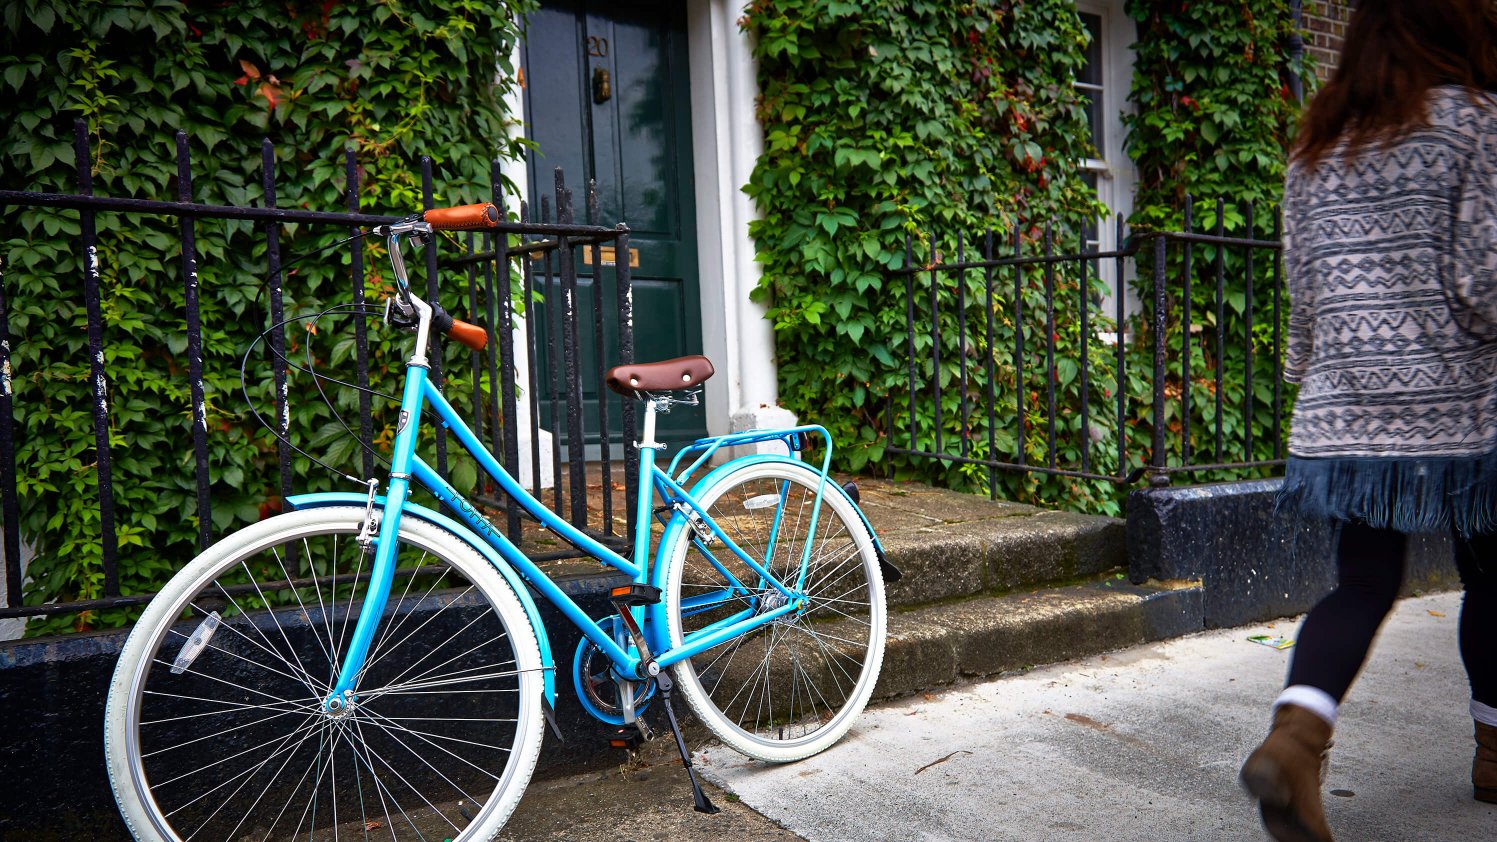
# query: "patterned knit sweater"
[1392,268]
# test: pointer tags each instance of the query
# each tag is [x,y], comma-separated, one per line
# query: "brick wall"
[1326,22]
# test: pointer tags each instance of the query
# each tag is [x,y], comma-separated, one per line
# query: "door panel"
[649,187]
[636,143]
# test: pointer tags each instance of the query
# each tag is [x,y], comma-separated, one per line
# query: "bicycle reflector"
[196,644]
[635,594]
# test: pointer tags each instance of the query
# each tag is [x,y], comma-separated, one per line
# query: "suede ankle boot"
[1484,767]
[1285,774]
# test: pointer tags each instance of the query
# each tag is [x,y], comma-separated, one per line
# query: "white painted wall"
[14,628]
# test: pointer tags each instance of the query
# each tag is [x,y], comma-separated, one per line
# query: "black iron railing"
[544,253]
[1146,378]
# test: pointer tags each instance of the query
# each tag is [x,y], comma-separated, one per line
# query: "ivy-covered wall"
[1213,118]
[393,79]
[884,119]
[888,118]
[1213,115]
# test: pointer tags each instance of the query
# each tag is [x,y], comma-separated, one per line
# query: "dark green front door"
[608,98]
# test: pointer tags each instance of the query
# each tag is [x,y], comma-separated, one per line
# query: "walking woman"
[1390,220]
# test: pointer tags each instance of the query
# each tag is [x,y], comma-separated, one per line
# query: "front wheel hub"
[338,707]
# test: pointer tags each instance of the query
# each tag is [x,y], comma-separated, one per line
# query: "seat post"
[645,499]
[647,439]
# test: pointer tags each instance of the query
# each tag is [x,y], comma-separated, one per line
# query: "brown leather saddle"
[638,380]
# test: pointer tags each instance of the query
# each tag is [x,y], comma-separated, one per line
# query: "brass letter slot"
[608,258]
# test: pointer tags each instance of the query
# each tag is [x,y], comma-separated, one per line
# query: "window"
[1102,82]
[1089,83]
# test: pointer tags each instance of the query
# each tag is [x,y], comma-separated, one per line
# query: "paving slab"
[1143,744]
[903,505]
[643,797]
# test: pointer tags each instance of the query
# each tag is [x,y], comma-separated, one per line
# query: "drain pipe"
[1296,49]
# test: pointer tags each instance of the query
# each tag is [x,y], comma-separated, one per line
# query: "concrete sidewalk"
[1142,744]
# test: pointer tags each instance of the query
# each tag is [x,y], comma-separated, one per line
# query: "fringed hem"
[1408,495]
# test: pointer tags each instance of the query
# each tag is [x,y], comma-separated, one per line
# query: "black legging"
[1335,637]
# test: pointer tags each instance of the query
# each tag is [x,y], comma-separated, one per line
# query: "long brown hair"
[1395,51]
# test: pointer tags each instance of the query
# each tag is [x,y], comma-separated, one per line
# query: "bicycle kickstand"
[624,597]
[666,684]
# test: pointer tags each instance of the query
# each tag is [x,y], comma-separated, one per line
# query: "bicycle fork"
[342,696]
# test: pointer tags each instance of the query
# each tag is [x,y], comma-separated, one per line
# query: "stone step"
[936,645]
[951,545]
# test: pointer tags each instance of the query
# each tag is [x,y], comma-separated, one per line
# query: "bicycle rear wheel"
[215,727]
[791,688]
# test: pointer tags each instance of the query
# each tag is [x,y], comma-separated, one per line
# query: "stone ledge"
[1254,563]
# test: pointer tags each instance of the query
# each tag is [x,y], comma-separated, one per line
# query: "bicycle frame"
[770,624]
[407,467]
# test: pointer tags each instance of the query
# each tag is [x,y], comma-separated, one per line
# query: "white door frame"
[727,142]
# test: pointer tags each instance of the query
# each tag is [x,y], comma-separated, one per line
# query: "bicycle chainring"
[599,687]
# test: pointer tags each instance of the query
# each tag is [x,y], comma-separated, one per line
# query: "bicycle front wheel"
[790,688]
[215,727]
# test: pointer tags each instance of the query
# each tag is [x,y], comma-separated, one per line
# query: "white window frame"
[1116,174]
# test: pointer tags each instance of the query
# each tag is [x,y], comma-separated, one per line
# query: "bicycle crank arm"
[625,597]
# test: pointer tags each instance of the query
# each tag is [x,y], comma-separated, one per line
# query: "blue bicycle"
[366,667]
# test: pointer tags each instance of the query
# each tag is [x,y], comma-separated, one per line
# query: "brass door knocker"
[602,89]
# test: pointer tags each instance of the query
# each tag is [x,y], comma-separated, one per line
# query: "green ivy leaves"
[891,119]
[393,80]
[1214,119]
[1214,115]
[885,119]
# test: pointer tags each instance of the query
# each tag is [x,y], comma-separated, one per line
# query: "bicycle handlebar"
[463,217]
[470,335]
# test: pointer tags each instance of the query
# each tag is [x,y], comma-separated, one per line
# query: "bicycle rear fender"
[464,534]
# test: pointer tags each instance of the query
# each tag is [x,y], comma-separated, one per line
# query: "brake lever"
[412,225]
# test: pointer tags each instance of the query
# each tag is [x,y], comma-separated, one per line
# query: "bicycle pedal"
[636,594]
[626,738]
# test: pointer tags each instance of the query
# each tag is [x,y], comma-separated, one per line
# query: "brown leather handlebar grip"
[463,217]
[472,336]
